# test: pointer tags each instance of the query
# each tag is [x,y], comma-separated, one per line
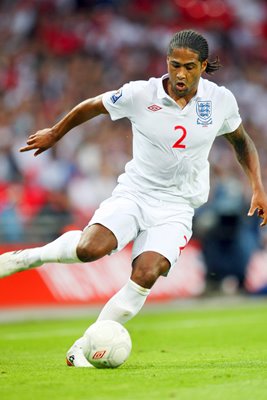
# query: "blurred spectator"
[228,238]
[53,217]
[11,223]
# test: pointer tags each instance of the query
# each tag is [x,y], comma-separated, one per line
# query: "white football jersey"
[171,145]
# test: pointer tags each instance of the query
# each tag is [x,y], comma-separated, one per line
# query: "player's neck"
[181,101]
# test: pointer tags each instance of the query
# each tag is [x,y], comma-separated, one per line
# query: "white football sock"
[125,304]
[61,250]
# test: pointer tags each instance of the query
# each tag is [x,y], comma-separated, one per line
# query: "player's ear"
[204,65]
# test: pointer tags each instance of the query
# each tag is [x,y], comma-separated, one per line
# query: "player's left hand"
[259,203]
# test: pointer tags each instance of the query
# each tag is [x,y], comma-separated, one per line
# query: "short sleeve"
[119,103]
[232,118]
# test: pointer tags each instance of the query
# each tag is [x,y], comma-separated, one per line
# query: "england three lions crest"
[204,112]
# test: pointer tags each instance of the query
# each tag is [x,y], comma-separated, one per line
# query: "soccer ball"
[108,344]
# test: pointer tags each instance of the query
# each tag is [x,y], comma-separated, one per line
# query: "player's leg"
[126,303]
[72,247]
[152,257]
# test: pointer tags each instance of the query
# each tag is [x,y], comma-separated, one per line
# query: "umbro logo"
[99,354]
[154,107]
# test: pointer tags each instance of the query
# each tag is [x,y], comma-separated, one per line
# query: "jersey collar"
[162,94]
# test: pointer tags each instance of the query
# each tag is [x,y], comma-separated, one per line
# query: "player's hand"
[40,141]
[259,203]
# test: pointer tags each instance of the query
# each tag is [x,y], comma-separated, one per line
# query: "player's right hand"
[40,141]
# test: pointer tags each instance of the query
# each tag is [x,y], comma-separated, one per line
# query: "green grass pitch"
[181,354]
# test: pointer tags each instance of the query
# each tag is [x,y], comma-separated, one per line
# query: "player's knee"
[145,278]
[96,242]
[147,275]
[90,250]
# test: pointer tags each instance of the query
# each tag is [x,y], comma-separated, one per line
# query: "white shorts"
[153,225]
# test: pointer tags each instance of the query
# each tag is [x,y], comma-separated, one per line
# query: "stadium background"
[55,54]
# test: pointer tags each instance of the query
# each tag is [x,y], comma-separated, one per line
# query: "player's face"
[184,70]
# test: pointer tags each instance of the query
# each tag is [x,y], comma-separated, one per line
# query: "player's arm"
[247,156]
[46,138]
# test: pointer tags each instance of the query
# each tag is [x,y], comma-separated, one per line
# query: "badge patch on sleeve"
[115,97]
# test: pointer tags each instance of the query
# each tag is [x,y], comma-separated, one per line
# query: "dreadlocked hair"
[193,40]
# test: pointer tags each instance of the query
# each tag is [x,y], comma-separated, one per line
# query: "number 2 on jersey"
[179,144]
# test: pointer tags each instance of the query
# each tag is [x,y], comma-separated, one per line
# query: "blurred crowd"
[56,53]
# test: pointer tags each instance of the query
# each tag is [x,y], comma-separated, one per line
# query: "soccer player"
[175,120]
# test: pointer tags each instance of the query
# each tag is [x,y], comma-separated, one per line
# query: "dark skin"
[247,156]
[185,70]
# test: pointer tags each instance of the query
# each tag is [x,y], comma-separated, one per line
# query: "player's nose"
[181,73]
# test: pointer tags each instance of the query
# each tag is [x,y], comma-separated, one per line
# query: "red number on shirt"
[178,144]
